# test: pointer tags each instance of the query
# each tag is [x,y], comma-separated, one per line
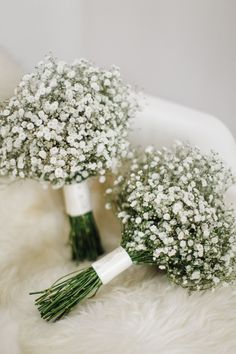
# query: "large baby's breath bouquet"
[171,204]
[65,124]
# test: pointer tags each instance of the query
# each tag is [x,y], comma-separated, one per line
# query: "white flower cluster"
[65,123]
[171,203]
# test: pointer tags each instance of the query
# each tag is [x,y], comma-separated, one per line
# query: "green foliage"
[84,238]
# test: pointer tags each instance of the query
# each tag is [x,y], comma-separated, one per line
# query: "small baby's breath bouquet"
[171,204]
[65,124]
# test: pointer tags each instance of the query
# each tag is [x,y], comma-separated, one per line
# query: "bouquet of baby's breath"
[64,124]
[171,204]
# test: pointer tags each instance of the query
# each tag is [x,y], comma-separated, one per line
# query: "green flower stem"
[58,300]
[84,238]
[68,291]
[140,257]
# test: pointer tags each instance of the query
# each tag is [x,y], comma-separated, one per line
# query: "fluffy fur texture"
[139,312]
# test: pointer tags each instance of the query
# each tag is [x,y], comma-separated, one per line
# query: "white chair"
[161,122]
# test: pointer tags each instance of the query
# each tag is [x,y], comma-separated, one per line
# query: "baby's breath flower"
[66,123]
[176,199]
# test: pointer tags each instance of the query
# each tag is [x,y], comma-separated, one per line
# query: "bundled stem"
[68,291]
[84,238]
[56,301]
[140,257]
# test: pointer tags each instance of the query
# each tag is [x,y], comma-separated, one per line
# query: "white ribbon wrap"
[114,263]
[77,198]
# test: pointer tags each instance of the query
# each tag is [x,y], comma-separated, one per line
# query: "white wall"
[29,29]
[182,50]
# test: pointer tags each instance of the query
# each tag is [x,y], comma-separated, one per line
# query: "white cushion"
[162,122]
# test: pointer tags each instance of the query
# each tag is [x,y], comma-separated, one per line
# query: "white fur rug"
[139,312]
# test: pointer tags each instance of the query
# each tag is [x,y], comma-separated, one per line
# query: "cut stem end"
[58,300]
